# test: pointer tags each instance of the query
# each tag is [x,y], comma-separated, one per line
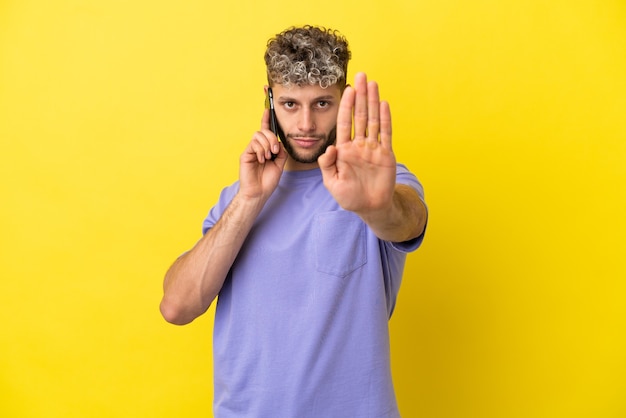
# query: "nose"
[306,122]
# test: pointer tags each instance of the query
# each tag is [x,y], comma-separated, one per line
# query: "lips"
[305,142]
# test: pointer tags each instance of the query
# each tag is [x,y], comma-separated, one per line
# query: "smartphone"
[269,104]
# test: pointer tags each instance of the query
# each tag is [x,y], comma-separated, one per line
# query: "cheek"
[327,122]
[285,121]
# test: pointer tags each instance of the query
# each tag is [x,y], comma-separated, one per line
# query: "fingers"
[385,125]
[265,121]
[361,105]
[344,116]
[373,115]
[262,146]
[264,143]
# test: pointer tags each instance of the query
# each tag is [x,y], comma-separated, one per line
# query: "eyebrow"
[328,97]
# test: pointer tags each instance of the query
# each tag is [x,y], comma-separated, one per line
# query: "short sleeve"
[404,176]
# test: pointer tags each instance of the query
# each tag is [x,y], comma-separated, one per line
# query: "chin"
[307,156]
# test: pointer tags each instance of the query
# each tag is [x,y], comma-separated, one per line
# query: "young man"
[306,250]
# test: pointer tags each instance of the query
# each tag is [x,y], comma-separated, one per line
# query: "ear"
[265,89]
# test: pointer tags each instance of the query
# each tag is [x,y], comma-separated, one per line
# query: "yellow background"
[120,121]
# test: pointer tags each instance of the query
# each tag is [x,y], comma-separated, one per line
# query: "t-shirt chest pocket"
[340,243]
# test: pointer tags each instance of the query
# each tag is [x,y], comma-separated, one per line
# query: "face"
[308,118]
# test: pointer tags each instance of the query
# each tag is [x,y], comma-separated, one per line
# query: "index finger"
[344,116]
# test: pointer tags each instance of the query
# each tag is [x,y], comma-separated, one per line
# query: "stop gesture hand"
[360,169]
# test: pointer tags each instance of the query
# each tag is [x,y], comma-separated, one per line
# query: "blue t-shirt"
[301,323]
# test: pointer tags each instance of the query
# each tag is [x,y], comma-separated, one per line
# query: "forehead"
[306,93]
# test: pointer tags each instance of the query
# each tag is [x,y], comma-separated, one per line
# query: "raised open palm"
[360,169]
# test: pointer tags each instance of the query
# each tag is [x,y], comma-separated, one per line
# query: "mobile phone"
[269,104]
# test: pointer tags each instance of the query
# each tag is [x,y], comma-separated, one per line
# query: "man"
[306,250]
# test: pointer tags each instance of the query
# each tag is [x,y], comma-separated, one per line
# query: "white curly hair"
[307,55]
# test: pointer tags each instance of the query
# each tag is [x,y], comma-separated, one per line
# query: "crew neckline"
[300,175]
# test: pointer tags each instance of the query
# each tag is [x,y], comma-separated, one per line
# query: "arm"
[360,170]
[195,279]
[404,220]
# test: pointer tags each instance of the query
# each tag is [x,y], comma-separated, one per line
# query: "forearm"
[403,219]
[195,279]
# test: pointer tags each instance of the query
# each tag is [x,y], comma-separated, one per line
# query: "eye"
[289,105]
[323,105]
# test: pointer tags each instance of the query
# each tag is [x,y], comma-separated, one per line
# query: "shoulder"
[226,196]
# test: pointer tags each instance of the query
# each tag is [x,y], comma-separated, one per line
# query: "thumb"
[327,161]
[265,120]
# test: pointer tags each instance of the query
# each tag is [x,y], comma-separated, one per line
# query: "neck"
[293,165]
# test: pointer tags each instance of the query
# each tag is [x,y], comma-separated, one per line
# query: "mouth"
[305,142]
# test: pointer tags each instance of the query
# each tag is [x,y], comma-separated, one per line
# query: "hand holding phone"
[269,104]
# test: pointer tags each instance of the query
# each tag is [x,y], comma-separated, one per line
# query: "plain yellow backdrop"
[120,122]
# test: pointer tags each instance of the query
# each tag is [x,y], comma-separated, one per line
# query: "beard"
[310,156]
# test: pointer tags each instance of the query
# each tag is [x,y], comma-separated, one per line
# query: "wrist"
[381,216]
[249,202]
[402,219]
